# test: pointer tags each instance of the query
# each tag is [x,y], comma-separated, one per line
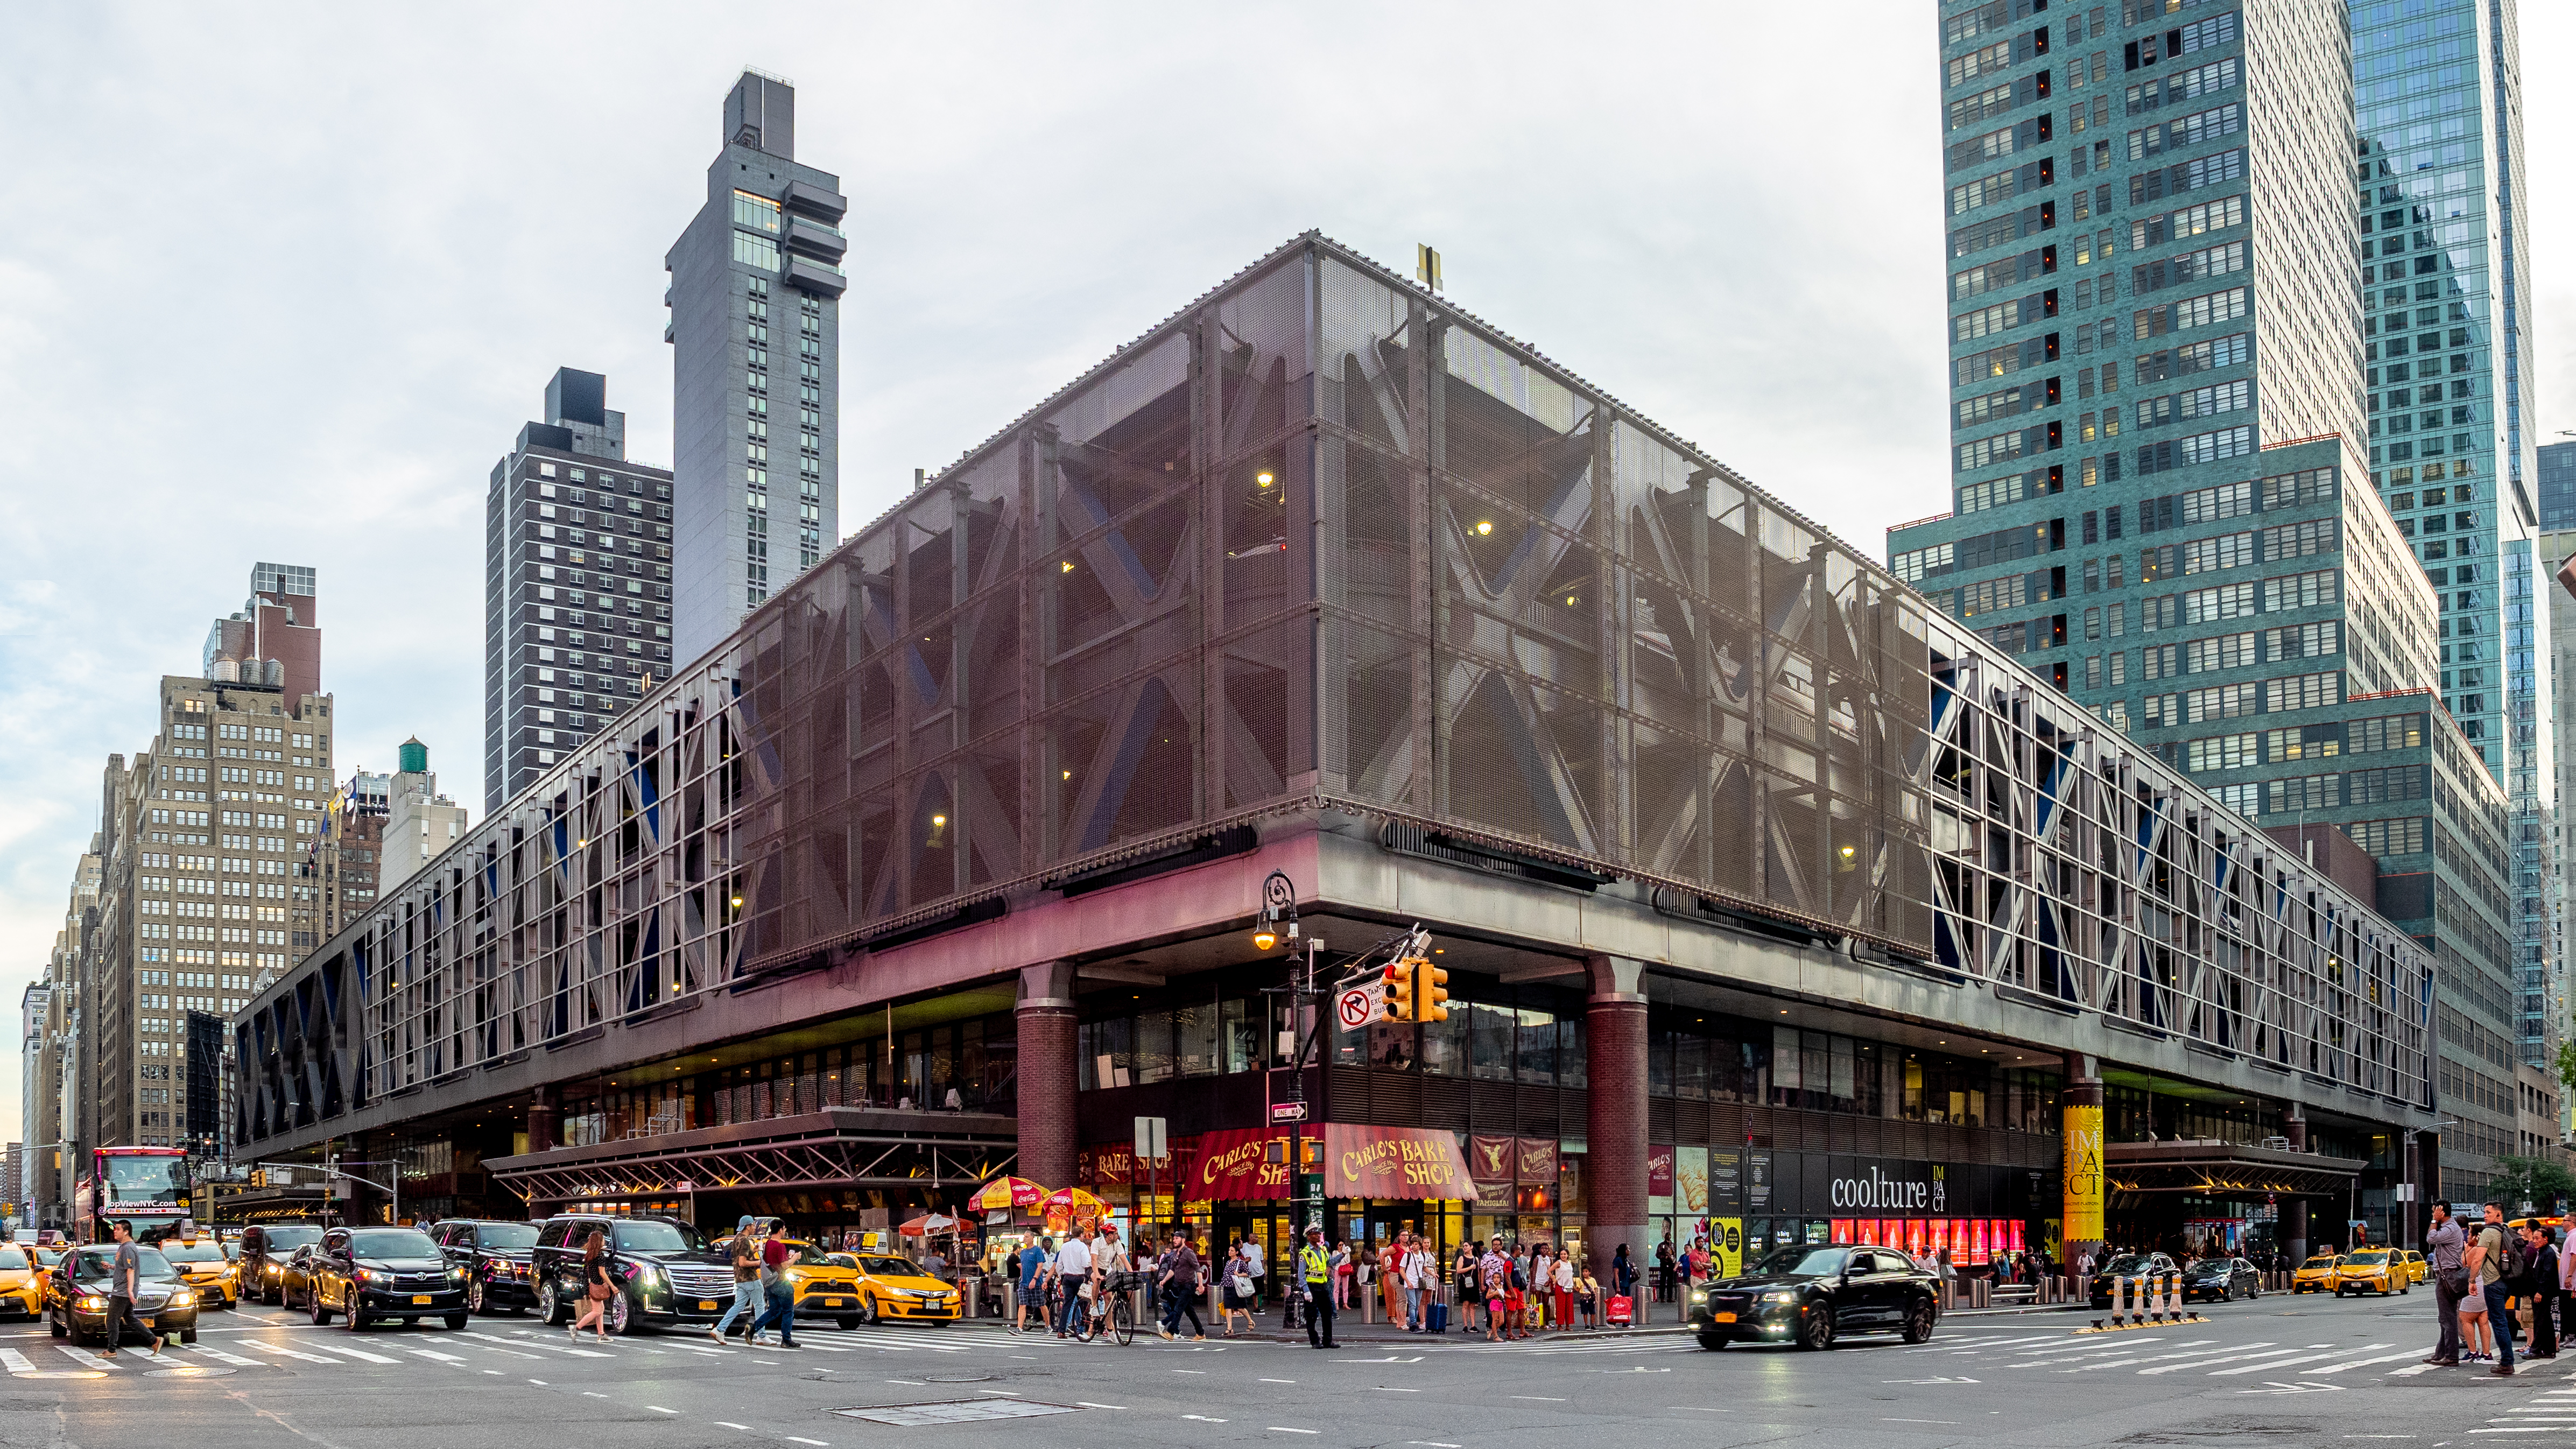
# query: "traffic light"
[1399,991]
[1430,993]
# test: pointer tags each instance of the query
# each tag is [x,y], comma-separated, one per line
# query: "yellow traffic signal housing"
[1399,991]
[1430,993]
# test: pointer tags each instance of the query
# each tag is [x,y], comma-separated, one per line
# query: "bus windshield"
[136,1180]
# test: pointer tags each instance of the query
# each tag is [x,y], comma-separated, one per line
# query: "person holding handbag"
[2444,1245]
[781,1292]
[597,1287]
[1469,1300]
[1238,1290]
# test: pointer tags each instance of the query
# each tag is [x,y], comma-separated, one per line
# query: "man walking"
[1033,1262]
[777,1288]
[2543,1297]
[744,1253]
[124,1278]
[1073,1274]
[1180,1289]
[2489,1270]
[1315,1272]
[2444,1245]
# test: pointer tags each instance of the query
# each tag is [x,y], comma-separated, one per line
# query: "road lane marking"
[363,1354]
[217,1354]
[85,1358]
[1274,1381]
[657,1408]
[431,1353]
[299,1353]
[524,1341]
[1284,1429]
[2280,1363]
[1202,1418]
[18,1363]
[1538,1398]
[730,1424]
[2207,1359]
[801,1439]
[1087,1404]
[2337,1368]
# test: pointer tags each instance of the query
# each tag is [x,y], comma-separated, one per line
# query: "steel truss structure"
[831,1159]
[1321,541]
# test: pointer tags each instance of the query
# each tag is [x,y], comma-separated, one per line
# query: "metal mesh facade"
[1320,542]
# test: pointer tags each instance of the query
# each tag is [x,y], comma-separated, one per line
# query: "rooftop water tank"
[415,757]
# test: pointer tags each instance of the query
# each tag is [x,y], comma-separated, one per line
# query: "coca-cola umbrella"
[1006,1194]
[924,1226]
[1074,1202]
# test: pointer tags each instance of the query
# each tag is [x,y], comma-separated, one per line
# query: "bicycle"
[1113,1309]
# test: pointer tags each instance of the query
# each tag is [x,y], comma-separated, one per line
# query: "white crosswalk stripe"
[2254,1368]
[2336,1368]
[360,1353]
[527,1339]
[267,1347]
[85,1358]
[220,1356]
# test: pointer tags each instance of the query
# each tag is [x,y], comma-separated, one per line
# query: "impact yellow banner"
[2083,1169]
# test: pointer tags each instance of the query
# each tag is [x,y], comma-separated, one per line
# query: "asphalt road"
[2279,1371]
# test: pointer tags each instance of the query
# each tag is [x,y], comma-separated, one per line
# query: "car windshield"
[2133,1263]
[507,1235]
[203,1250]
[889,1267]
[840,1260]
[392,1243]
[657,1236]
[281,1241]
[2322,1260]
[1815,1261]
[12,1258]
[2370,1258]
[49,1256]
[141,1180]
[94,1263]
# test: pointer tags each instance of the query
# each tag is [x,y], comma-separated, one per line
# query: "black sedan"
[2221,1279]
[381,1275]
[2136,1266]
[1812,1296]
[76,1300]
[292,1280]
[495,1257]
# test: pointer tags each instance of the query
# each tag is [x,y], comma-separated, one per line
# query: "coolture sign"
[1393,1162]
[1877,1190]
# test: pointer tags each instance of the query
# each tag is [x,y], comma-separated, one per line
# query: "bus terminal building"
[1773,905]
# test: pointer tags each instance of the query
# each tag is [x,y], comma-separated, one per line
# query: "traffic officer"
[1315,1269]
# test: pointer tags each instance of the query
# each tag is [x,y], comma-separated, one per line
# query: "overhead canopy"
[2213,1168]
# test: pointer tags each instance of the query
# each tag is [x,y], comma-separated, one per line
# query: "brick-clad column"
[1049,1134]
[1614,1051]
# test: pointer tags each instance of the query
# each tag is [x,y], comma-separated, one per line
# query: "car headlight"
[366,1275]
[182,1298]
[456,1275]
[1698,1297]
[1785,1296]
[93,1302]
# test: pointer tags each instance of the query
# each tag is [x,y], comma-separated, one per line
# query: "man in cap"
[1315,1276]
[749,1298]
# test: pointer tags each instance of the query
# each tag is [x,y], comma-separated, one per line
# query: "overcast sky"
[281,283]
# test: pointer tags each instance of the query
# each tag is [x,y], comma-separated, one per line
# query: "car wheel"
[848,1321]
[1918,1322]
[55,1326]
[549,1304]
[868,1311]
[474,1296]
[188,1334]
[1816,1330]
[321,1315]
[1714,1341]
[618,1317]
[2253,1291]
[357,1320]
[456,1322]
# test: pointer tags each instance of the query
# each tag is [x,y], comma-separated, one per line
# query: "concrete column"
[1049,1134]
[2294,1213]
[1614,1049]
[542,1114]
[2081,1139]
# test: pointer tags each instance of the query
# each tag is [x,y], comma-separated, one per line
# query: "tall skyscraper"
[205,881]
[576,584]
[2437,93]
[755,323]
[2160,460]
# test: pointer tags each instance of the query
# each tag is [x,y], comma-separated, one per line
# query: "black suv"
[1810,1296]
[495,1256]
[2148,1266]
[265,1247]
[383,1274]
[666,1272]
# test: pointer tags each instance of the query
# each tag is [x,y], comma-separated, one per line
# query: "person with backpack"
[1180,1289]
[2498,1262]
[748,1304]
[778,1288]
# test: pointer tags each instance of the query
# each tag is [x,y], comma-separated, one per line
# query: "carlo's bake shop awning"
[1393,1162]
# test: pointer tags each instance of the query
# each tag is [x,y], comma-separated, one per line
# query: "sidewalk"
[1348,1329]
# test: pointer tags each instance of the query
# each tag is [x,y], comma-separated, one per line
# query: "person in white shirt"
[1073,1270]
[1564,1286]
[1421,1271]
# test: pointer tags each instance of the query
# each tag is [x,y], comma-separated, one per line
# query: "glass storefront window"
[1242,1032]
[1689,1078]
[1154,1047]
[1490,1041]
[1444,1043]
[1194,1033]
[1537,1041]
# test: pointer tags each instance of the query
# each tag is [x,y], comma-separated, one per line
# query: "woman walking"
[1237,1297]
[1390,1278]
[597,1287]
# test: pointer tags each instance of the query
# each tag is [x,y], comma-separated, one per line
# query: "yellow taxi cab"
[22,1282]
[2366,1270]
[894,1290]
[2414,1264]
[2317,1275]
[201,1263]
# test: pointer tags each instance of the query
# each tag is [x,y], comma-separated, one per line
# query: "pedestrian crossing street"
[483,1345]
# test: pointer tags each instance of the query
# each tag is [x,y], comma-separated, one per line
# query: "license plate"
[420,1298]
[1721,1318]
[706,1305]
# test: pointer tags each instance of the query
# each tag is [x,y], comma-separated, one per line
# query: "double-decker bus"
[144,1187]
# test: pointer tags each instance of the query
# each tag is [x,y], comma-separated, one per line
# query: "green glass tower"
[2160,490]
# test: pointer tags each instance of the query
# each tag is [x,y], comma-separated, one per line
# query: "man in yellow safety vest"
[1315,1268]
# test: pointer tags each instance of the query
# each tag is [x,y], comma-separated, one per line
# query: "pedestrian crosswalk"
[2154,1356]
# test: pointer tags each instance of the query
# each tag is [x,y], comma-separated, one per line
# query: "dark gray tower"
[755,320]
[577,584]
